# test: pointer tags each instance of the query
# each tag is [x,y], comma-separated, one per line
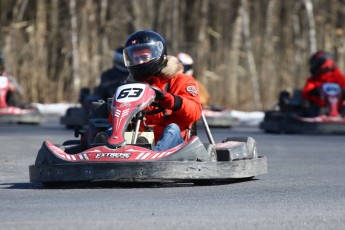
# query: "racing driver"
[146,59]
[323,70]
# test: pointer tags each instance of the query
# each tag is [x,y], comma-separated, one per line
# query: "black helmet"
[145,54]
[118,59]
[321,62]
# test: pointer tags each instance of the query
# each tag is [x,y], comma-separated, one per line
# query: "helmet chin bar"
[149,69]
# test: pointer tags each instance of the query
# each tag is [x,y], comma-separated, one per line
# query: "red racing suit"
[314,82]
[178,84]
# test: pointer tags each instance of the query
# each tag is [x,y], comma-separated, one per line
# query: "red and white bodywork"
[128,100]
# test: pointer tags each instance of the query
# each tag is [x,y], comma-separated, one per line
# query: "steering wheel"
[159,93]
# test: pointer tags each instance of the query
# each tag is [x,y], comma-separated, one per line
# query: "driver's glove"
[170,101]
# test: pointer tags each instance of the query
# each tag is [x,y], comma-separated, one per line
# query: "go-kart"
[291,114]
[16,114]
[125,156]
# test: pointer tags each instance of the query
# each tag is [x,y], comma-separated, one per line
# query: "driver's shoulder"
[183,79]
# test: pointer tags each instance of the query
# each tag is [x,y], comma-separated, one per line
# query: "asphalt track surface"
[303,189]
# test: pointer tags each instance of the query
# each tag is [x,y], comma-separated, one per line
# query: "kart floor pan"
[148,171]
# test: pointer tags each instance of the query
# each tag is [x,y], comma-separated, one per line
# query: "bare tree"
[340,34]
[61,46]
[311,24]
[74,42]
[231,79]
[202,40]
[268,69]
[250,57]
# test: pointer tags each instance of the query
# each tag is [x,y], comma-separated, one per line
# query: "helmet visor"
[142,53]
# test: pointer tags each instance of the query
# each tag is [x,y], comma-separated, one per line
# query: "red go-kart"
[16,114]
[124,157]
[292,114]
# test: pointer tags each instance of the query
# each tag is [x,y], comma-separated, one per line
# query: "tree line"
[245,51]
